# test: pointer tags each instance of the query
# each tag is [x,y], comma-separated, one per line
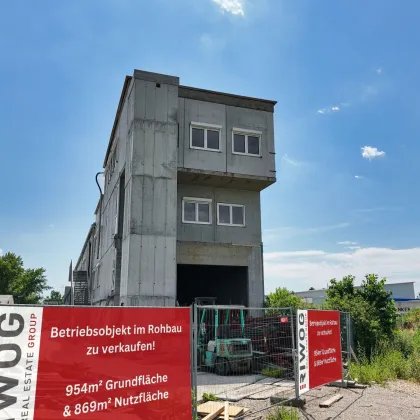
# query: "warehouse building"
[180,213]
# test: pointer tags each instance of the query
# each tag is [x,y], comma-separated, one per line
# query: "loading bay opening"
[228,284]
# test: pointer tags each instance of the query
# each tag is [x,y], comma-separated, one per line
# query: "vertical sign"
[95,363]
[319,349]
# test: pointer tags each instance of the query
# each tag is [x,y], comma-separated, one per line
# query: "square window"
[196,210]
[213,139]
[237,215]
[197,137]
[239,143]
[224,214]
[204,212]
[189,212]
[253,145]
[230,214]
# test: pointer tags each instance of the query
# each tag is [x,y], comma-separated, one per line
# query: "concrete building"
[180,214]
[404,290]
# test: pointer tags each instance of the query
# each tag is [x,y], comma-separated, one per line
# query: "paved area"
[237,388]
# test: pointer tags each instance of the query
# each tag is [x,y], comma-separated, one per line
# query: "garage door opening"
[229,285]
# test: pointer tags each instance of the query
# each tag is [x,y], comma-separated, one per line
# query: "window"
[196,210]
[205,136]
[230,214]
[246,142]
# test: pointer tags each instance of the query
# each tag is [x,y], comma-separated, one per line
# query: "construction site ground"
[394,401]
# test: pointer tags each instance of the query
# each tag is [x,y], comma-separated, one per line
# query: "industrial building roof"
[189,93]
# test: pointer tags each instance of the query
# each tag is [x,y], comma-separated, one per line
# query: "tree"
[54,296]
[283,298]
[373,312]
[26,285]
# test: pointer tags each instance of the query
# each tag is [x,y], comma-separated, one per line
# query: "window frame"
[196,201]
[206,127]
[230,205]
[247,133]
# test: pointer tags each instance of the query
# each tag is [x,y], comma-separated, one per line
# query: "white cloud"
[379,71]
[328,110]
[301,270]
[293,162]
[375,209]
[346,243]
[369,152]
[359,177]
[289,231]
[1,252]
[235,7]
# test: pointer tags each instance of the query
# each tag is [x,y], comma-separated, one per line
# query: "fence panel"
[243,355]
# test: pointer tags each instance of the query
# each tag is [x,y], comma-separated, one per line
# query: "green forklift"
[222,344]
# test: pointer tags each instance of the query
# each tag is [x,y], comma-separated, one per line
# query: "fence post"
[349,337]
[295,367]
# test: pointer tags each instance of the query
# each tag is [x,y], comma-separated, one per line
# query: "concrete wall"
[149,242]
[228,117]
[249,234]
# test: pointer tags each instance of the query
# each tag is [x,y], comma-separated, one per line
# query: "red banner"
[95,363]
[319,349]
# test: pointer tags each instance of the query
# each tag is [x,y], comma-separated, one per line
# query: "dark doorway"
[229,285]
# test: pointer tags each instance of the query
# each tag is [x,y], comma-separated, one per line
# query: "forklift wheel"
[222,366]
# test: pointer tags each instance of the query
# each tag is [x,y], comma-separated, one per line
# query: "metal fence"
[247,355]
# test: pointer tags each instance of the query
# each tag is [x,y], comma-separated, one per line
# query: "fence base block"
[343,384]
[294,402]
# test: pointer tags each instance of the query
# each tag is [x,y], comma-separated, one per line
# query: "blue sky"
[345,75]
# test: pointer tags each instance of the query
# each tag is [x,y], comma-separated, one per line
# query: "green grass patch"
[283,413]
[273,372]
[398,358]
[209,397]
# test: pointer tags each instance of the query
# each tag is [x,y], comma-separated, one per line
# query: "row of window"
[199,210]
[207,137]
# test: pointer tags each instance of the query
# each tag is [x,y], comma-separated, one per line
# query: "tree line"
[26,285]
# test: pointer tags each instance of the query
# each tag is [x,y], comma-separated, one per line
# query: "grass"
[273,372]
[283,413]
[396,359]
[209,397]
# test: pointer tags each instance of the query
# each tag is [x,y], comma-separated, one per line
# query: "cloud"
[369,152]
[347,243]
[359,176]
[375,209]
[289,232]
[1,252]
[301,270]
[328,110]
[235,7]
[379,71]
[290,161]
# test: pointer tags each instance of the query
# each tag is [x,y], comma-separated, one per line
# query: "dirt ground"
[396,401]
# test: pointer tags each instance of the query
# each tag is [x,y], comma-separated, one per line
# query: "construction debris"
[217,410]
[331,401]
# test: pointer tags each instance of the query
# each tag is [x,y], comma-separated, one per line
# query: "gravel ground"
[399,400]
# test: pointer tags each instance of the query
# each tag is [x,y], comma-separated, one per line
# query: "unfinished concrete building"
[180,214]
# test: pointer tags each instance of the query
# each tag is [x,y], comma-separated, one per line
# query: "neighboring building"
[6,300]
[403,290]
[180,214]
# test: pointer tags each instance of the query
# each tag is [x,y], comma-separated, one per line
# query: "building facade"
[403,290]
[180,213]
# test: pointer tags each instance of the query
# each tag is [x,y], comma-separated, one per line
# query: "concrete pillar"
[149,245]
